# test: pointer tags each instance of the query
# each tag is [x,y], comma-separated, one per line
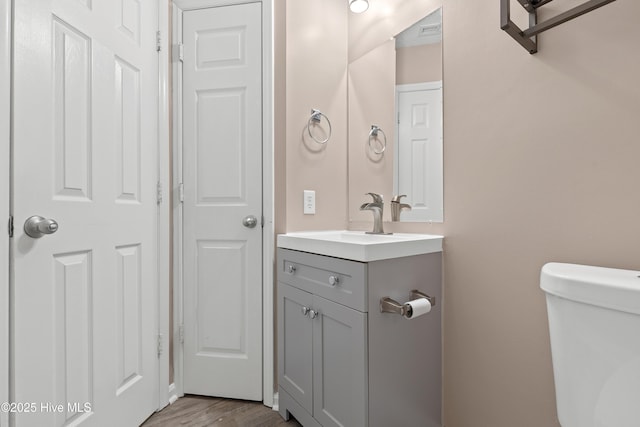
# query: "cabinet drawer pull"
[334,280]
[313,314]
[305,311]
[292,269]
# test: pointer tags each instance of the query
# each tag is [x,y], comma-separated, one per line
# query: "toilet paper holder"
[389,305]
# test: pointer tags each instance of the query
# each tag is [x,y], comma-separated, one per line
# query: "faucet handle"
[396,198]
[377,198]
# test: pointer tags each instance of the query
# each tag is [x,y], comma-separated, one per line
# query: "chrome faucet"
[397,207]
[377,207]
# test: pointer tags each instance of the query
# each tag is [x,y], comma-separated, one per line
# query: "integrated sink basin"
[359,246]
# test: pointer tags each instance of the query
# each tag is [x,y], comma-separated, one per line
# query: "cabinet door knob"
[313,314]
[292,269]
[305,311]
[334,280]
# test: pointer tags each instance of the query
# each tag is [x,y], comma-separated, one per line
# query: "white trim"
[267,188]
[185,5]
[5,182]
[178,316]
[267,204]
[410,87]
[173,395]
[164,208]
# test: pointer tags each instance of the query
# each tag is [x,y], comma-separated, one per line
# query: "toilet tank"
[594,325]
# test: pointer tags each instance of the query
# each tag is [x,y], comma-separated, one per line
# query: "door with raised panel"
[339,365]
[295,344]
[84,308]
[222,177]
[419,168]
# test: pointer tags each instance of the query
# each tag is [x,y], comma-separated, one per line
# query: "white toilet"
[594,323]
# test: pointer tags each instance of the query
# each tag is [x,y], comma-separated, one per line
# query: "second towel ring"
[316,117]
[373,134]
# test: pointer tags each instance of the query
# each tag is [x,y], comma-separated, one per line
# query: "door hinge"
[10,227]
[181,192]
[159,192]
[178,52]
[181,333]
[160,347]
[158,41]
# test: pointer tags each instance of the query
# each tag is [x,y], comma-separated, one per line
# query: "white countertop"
[359,246]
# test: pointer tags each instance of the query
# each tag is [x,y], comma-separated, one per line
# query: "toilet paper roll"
[416,308]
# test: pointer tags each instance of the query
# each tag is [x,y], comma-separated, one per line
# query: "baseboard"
[173,395]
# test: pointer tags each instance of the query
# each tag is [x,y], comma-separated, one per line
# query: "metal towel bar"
[528,37]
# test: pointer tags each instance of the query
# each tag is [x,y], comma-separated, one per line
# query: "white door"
[84,140]
[419,152]
[222,164]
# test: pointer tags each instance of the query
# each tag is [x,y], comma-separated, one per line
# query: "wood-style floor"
[198,411]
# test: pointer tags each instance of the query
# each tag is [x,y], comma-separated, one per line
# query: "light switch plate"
[309,202]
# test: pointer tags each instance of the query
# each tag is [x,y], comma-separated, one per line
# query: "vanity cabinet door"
[295,344]
[339,365]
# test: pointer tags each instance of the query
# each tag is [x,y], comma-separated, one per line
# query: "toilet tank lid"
[605,287]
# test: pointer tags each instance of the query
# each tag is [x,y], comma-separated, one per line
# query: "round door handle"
[250,221]
[37,226]
[292,269]
[305,311]
[334,280]
[313,314]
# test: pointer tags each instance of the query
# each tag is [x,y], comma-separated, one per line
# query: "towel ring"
[316,117]
[374,134]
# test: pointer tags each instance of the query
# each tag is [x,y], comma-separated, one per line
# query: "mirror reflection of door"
[418,157]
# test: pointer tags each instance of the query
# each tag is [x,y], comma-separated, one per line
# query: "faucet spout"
[377,208]
[397,207]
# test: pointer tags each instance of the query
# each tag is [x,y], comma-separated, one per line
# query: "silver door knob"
[250,221]
[37,226]
[313,314]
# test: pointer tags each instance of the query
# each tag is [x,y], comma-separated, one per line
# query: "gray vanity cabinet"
[341,362]
[322,344]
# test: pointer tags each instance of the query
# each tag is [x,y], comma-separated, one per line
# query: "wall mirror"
[395,114]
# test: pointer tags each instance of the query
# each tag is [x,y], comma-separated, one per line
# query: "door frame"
[5,185]
[164,173]
[180,6]
[164,203]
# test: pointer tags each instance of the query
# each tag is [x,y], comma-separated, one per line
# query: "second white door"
[419,150]
[222,178]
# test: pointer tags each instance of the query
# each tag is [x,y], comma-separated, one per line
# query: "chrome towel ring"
[373,134]
[316,117]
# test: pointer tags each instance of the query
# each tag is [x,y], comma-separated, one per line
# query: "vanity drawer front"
[335,279]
